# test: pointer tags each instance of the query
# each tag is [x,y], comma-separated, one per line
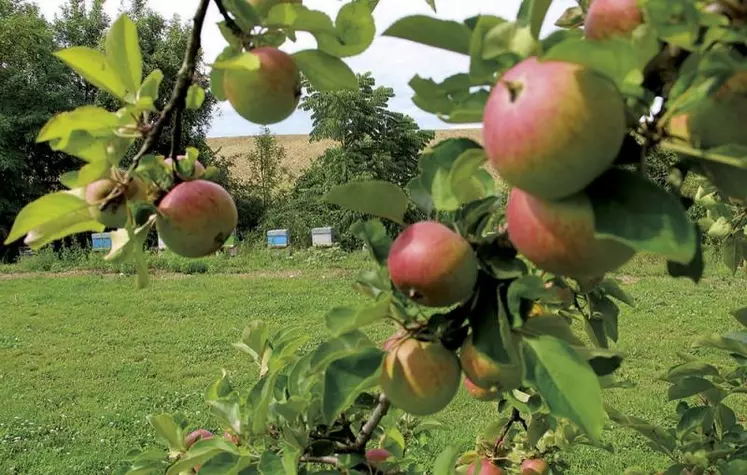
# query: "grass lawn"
[83,358]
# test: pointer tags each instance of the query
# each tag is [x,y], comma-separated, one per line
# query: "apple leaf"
[532,13]
[465,184]
[693,269]
[566,382]
[734,342]
[151,85]
[436,167]
[341,320]
[444,34]
[195,97]
[123,52]
[663,439]
[217,74]
[688,386]
[347,377]
[123,246]
[453,102]
[95,121]
[94,68]
[239,62]
[324,71]
[480,68]
[376,197]
[631,209]
[741,315]
[444,464]
[419,195]
[243,12]
[200,453]
[355,30]
[54,213]
[373,234]
[297,17]
[572,17]
[168,431]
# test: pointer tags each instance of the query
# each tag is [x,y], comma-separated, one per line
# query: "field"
[83,359]
[300,151]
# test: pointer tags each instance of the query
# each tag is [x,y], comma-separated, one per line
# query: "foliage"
[266,166]
[322,408]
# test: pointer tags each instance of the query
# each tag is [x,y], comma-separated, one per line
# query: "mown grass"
[84,358]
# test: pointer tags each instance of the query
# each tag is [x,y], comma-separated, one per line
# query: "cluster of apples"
[270,94]
[194,218]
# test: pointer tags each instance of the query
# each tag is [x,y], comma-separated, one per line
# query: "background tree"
[373,142]
[265,163]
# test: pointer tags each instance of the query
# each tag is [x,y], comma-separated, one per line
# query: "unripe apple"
[432,264]
[484,467]
[608,18]
[193,437]
[552,127]
[114,214]
[717,120]
[268,95]
[390,342]
[481,394]
[196,218]
[558,236]
[263,7]
[377,456]
[485,372]
[534,467]
[420,377]
[198,171]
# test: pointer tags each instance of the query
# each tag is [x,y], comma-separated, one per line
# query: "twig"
[176,134]
[370,426]
[232,25]
[515,417]
[184,79]
[327,459]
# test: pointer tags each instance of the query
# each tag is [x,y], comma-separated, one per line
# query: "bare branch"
[184,80]
[515,417]
[329,460]
[370,426]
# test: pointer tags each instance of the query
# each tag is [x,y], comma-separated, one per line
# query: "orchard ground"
[83,359]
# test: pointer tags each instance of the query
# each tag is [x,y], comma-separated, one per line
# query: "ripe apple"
[420,377]
[552,127]
[484,467]
[377,456]
[481,394]
[196,217]
[193,437]
[485,372]
[558,236]
[534,467]
[607,18]
[268,95]
[263,7]
[432,264]
[198,171]
[719,119]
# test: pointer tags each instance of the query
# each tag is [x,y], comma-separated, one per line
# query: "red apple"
[552,127]
[534,467]
[377,456]
[558,236]
[484,467]
[608,18]
[479,393]
[432,264]
[199,434]
[196,217]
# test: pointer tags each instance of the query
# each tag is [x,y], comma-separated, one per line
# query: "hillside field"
[300,151]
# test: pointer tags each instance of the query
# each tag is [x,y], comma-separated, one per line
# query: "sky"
[393,62]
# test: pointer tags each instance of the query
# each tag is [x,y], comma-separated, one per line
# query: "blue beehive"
[277,238]
[101,241]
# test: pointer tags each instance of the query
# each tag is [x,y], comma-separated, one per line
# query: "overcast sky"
[393,62]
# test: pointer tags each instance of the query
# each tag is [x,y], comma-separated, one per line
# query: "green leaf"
[377,197]
[465,183]
[217,74]
[341,320]
[260,404]
[330,350]
[663,439]
[200,453]
[606,310]
[689,386]
[676,21]
[373,233]
[734,250]
[94,68]
[436,167]
[551,325]
[51,214]
[601,360]
[123,247]
[694,269]
[488,327]
[151,85]
[444,34]
[195,97]
[529,287]
[271,463]
[355,30]
[572,17]
[419,195]
[631,209]
[691,368]
[299,18]
[324,71]
[734,467]
[741,315]
[735,342]
[238,62]
[453,103]
[612,287]
[446,460]
[347,377]
[95,121]
[537,428]
[566,382]
[692,419]
[509,38]
[532,13]
[243,12]
[123,53]
[168,431]
[482,65]
[394,442]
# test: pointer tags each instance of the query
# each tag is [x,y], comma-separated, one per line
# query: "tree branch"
[328,459]
[515,417]
[230,23]
[184,80]
[370,426]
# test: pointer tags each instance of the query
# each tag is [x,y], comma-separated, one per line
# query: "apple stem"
[515,417]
